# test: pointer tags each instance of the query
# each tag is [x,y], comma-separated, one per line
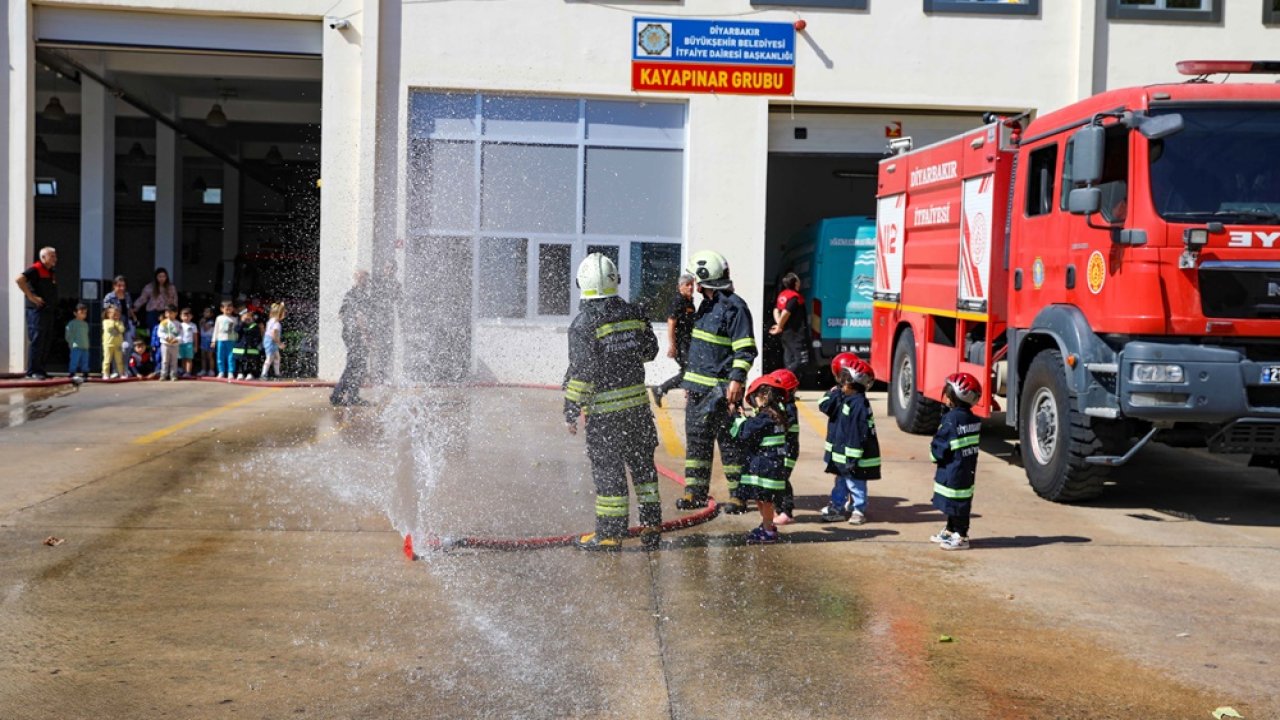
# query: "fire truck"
[1111,270]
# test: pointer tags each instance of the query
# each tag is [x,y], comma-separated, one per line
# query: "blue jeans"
[847,486]
[79,362]
[226,363]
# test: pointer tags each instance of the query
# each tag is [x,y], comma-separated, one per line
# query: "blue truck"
[835,259]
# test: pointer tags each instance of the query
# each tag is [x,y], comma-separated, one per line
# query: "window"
[1040,176]
[1115,175]
[841,4]
[1271,12]
[1199,11]
[990,7]
[534,184]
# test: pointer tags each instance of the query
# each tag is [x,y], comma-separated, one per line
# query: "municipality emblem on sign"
[655,39]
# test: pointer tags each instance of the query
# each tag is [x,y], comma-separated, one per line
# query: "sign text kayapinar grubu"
[712,56]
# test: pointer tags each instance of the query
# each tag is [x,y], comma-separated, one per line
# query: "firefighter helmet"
[711,269]
[598,277]
[964,387]
[787,380]
[764,381]
[858,372]
[840,362]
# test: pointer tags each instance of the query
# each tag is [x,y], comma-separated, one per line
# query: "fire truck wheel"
[914,412]
[1056,438]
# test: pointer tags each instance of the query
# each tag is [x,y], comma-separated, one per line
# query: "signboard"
[712,56]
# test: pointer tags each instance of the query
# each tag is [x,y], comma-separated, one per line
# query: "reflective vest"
[765,442]
[955,450]
[609,343]
[857,439]
[722,348]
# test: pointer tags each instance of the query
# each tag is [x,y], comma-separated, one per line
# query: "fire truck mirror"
[1084,201]
[1157,127]
[1087,155]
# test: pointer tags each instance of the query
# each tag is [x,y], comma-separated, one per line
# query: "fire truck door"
[1093,259]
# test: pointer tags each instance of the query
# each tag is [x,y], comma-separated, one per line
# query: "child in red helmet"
[788,383]
[833,457]
[855,441]
[955,451]
[763,436]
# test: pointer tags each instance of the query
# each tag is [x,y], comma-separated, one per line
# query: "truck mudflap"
[1248,435]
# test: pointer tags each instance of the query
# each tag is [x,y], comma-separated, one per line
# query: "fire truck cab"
[1111,270]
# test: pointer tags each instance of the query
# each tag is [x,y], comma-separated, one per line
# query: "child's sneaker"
[761,536]
[943,536]
[830,514]
[783,519]
[857,518]
[115,376]
[955,542]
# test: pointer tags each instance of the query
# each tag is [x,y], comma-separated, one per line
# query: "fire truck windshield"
[1221,166]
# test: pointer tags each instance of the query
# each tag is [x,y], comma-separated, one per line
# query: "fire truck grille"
[1248,436]
[1240,291]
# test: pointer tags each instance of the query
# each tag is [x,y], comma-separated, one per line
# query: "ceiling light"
[54,112]
[274,157]
[216,118]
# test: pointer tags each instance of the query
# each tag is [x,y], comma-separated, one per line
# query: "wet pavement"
[235,552]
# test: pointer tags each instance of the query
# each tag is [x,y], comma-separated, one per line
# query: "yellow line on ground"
[667,432]
[165,432]
[814,419]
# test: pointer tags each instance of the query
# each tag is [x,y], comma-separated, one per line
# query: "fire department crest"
[1037,273]
[1096,272]
[655,39]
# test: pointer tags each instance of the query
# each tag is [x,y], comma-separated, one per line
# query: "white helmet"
[711,270]
[598,277]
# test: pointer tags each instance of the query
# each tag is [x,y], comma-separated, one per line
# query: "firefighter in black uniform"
[720,355]
[609,342]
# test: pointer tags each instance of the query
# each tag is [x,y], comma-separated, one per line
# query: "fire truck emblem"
[1037,274]
[655,39]
[1096,272]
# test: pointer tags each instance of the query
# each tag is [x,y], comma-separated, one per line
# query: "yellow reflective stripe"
[844,409]
[697,463]
[853,452]
[621,326]
[736,428]
[764,482]
[790,463]
[620,393]
[966,441]
[734,470]
[647,492]
[953,493]
[743,365]
[795,428]
[869,462]
[745,342]
[773,441]
[828,447]
[598,293]
[837,457]
[712,338]
[707,380]
[599,408]
[578,391]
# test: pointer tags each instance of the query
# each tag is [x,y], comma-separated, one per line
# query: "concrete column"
[17,155]
[1092,48]
[97,181]
[169,202]
[230,225]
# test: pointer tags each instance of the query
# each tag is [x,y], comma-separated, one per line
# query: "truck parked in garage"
[835,260]
[1112,270]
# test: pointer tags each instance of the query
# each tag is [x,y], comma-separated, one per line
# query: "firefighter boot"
[692,500]
[733,506]
[651,537]
[598,542]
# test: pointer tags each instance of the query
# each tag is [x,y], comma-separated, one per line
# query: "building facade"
[481,149]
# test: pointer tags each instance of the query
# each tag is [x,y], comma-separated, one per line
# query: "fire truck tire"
[1055,437]
[914,412]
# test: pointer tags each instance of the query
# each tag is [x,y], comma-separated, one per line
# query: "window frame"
[959,7]
[1270,13]
[1053,149]
[828,4]
[1116,11]
[578,238]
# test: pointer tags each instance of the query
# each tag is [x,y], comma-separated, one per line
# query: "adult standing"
[721,353]
[119,298]
[39,284]
[609,342]
[679,329]
[156,296]
[789,324]
[356,314]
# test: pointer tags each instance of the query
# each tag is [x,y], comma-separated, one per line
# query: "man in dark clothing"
[789,320]
[609,342]
[39,284]
[679,332]
[356,314]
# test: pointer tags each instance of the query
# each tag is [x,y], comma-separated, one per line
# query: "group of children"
[769,431]
[232,346]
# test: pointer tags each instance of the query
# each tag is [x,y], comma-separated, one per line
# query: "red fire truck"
[1111,270]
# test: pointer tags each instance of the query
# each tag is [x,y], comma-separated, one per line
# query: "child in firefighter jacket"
[853,448]
[789,383]
[955,451]
[763,437]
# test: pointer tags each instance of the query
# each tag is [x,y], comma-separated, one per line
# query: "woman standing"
[119,298]
[156,296]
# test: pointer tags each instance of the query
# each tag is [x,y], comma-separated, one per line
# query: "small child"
[77,335]
[271,343]
[857,438]
[248,349]
[170,333]
[789,383]
[141,364]
[207,320]
[831,405]
[764,440]
[113,332]
[187,333]
[224,337]
[955,450]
